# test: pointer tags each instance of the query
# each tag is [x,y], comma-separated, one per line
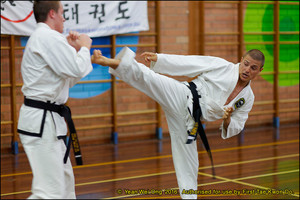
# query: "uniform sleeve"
[238,120]
[73,81]
[65,61]
[181,65]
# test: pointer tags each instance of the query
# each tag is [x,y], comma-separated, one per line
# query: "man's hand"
[149,56]
[71,38]
[227,117]
[77,40]
[84,41]
[99,59]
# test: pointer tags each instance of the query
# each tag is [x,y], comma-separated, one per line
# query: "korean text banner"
[95,18]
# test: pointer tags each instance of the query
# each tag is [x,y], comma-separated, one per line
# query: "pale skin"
[55,21]
[249,68]
[98,58]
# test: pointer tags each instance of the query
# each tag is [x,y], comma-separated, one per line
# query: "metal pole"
[241,48]
[241,29]
[201,33]
[14,143]
[201,28]
[159,133]
[276,64]
[114,135]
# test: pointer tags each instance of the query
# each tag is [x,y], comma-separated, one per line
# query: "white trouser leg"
[172,96]
[168,92]
[185,156]
[52,179]
[69,181]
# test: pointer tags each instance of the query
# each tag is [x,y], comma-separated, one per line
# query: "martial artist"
[224,88]
[51,64]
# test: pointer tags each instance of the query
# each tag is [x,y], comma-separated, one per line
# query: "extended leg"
[172,96]
[168,92]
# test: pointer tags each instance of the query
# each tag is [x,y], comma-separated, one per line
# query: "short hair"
[256,55]
[41,9]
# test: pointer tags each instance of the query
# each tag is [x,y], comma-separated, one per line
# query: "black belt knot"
[65,112]
[198,128]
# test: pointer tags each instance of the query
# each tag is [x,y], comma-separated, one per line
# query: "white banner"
[95,18]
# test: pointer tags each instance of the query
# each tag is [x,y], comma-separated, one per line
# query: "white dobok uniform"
[50,66]
[216,80]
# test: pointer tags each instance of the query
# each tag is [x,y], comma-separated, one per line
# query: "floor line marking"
[256,176]
[223,180]
[170,172]
[166,156]
[200,168]
[251,161]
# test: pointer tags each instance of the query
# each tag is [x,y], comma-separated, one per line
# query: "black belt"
[198,128]
[65,112]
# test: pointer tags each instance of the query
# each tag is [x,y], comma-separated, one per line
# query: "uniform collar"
[44,25]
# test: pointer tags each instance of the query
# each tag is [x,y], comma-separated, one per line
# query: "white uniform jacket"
[216,79]
[50,66]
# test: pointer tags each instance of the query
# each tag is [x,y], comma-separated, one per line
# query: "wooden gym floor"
[264,166]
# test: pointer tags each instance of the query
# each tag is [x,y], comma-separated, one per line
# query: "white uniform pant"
[52,179]
[172,96]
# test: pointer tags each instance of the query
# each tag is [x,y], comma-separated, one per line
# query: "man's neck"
[50,24]
[242,84]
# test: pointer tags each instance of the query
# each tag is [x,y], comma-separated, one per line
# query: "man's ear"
[51,14]
[261,69]
[241,59]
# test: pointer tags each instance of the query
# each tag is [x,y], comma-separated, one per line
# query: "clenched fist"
[149,56]
[99,59]
[227,117]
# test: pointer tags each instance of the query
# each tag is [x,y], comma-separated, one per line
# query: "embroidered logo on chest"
[239,103]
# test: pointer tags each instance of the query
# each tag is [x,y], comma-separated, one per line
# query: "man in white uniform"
[52,63]
[224,88]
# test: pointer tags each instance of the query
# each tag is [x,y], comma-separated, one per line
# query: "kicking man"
[222,91]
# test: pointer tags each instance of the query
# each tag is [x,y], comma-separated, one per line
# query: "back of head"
[256,55]
[41,9]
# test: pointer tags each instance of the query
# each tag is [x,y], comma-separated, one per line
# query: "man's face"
[249,68]
[59,19]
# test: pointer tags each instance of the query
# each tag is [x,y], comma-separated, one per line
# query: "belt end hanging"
[189,141]
[212,164]
[79,161]
[213,172]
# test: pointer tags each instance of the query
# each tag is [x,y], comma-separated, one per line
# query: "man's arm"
[149,56]
[77,40]
[99,59]
[235,123]
[63,59]
[183,65]
[227,117]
